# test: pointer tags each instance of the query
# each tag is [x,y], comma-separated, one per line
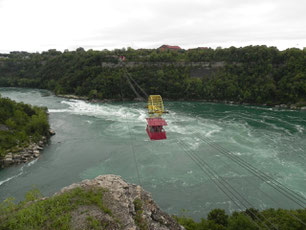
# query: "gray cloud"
[187,23]
[216,21]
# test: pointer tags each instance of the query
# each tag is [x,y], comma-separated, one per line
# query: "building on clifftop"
[167,47]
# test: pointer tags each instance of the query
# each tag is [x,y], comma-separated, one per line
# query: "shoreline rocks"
[72,96]
[25,154]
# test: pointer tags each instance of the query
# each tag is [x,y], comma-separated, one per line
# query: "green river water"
[204,164]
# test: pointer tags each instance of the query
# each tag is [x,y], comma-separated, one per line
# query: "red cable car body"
[155,128]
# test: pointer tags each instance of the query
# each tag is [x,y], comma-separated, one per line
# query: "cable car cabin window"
[156,129]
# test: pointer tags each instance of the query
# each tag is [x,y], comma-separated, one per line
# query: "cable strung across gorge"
[133,151]
[292,215]
[287,192]
[223,185]
[276,202]
[141,89]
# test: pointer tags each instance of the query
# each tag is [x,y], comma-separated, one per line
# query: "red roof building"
[167,47]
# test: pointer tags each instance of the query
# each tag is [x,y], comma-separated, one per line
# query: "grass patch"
[51,213]
[95,224]
[140,222]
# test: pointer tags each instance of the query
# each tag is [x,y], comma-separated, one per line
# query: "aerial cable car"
[155,121]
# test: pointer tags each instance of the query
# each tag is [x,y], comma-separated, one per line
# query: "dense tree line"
[20,123]
[250,219]
[254,74]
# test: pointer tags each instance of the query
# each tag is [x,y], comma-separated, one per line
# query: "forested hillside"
[253,74]
[20,124]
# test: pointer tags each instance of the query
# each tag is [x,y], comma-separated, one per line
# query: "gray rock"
[303,108]
[16,156]
[7,161]
[293,107]
[31,151]
[51,132]
[36,152]
[120,197]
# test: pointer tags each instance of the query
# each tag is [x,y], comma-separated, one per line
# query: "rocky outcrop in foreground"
[130,206]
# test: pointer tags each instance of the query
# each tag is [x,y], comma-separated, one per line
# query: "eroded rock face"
[125,201]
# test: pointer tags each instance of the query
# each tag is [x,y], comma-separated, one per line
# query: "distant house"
[167,47]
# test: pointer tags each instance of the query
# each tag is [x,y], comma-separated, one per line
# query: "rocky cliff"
[131,207]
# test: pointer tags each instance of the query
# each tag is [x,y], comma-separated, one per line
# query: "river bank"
[24,130]
[24,154]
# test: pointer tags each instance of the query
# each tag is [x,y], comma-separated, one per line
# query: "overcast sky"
[39,25]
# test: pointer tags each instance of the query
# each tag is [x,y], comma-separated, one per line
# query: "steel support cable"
[198,160]
[224,151]
[208,173]
[266,194]
[278,186]
[144,92]
[295,194]
[129,78]
[298,196]
[294,197]
[214,181]
[132,87]
[292,215]
[226,185]
[133,150]
[276,202]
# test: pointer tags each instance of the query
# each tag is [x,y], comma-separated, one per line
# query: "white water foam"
[10,178]
[120,113]
[299,128]
[20,172]
[106,111]
[58,110]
